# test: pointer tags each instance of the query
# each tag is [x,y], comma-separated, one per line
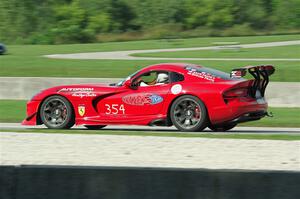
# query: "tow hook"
[269,114]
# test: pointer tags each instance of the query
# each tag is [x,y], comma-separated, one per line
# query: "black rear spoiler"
[260,73]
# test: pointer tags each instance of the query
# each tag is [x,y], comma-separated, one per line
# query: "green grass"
[142,44]
[285,71]
[14,111]
[282,117]
[289,137]
[27,60]
[292,51]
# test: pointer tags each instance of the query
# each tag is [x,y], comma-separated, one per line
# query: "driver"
[162,78]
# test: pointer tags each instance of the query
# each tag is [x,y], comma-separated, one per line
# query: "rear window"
[176,77]
[213,72]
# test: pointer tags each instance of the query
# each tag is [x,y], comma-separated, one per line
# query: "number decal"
[114,109]
[122,108]
[108,110]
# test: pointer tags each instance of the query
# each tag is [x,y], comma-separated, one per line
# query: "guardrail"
[66,182]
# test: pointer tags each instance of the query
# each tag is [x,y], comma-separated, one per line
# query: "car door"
[147,100]
[140,101]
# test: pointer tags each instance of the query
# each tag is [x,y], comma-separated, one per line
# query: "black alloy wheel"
[188,113]
[56,112]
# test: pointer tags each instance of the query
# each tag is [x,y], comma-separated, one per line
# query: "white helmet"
[162,78]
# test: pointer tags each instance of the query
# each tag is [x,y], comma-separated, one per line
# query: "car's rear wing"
[260,73]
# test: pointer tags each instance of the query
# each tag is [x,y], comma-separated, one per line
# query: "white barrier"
[278,94]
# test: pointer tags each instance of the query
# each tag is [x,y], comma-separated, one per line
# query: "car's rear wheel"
[221,128]
[95,127]
[188,113]
[56,112]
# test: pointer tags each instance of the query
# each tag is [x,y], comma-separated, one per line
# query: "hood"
[77,90]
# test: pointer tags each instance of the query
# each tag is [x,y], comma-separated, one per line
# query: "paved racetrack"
[150,151]
[126,55]
[260,130]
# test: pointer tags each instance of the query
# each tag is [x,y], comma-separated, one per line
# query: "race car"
[2,49]
[188,96]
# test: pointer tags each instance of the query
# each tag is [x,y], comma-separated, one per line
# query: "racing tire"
[221,128]
[188,113]
[56,112]
[94,127]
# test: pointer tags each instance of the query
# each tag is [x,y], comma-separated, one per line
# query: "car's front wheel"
[56,112]
[188,113]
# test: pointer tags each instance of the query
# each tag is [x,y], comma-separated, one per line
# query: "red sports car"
[188,96]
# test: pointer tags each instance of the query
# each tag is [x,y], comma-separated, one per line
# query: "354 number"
[114,109]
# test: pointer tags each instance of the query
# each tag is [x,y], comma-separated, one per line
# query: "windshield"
[121,83]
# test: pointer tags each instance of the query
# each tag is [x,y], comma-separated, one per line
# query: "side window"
[176,77]
[149,77]
[152,78]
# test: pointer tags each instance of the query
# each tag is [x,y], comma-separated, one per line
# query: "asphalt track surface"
[236,130]
[127,55]
[149,151]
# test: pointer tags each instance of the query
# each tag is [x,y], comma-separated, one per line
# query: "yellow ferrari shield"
[81,110]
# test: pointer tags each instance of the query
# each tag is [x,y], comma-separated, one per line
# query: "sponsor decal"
[142,99]
[176,89]
[202,75]
[237,73]
[81,110]
[82,94]
[79,92]
[155,99]
[76,89]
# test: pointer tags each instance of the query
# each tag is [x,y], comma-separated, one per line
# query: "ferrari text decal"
[114,109]
[142,99]
[202,75]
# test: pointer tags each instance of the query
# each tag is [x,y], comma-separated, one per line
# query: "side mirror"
[128,83]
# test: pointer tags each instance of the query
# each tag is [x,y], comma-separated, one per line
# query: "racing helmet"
[162,78]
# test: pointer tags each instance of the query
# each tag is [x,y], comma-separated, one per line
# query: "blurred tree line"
[72,21]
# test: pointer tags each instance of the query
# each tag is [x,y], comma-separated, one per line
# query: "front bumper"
[32,110]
